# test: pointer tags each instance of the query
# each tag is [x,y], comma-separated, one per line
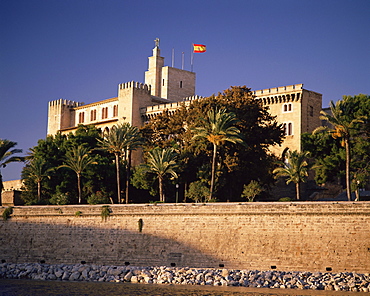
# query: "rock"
[85,274]
[190,276]
[51,277]
[75,276]
[58,273]
[114,271]
[65,276]
[225,273]
[128,276]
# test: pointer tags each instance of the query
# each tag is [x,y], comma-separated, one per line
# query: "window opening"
[287,107]
[81,117]
[290,129]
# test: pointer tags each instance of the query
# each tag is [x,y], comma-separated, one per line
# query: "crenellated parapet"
[63,102]
[134,84]
[192,98]
[149,112]
[280,95]
[278,90]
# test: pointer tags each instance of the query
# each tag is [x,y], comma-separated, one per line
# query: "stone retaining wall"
[309,236]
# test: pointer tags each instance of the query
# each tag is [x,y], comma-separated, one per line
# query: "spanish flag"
[199,48]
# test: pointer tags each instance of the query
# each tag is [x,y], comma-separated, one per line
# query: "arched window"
[93,115]
[288,128]
[104,113]
[288,107]
[81,117]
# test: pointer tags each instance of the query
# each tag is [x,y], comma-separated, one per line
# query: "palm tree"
[162,162]
[7,156]
[37,170]
[120,141]
[295,168]
[218,128]
[132,141]
[341,125]
[78,158]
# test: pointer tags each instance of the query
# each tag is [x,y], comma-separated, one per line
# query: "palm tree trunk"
[39,190]
[298,189]
[348,165]
[161,195]
[128,174]
[118,179]
[213,171]
[79,187]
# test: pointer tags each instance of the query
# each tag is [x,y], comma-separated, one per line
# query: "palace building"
[166,88]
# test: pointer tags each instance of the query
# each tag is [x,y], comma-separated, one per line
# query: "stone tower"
[296,108]
[60,115]
[167,82]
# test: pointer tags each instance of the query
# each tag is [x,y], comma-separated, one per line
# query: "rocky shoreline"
[347,281]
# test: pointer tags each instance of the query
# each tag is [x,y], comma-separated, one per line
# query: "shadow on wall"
[71,244]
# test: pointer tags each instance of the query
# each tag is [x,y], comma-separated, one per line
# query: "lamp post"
[177,193]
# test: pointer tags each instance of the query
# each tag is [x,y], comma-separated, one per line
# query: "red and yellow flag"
[199,48]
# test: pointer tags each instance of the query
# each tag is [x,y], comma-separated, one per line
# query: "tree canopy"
[237,164]
[342,151]
[7,155]
[52,150]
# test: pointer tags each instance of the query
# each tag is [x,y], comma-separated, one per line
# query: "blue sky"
[82,49]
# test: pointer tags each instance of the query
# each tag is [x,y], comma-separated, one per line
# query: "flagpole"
[182,60]
[192,57]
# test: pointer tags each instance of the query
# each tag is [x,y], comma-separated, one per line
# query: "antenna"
[173,58]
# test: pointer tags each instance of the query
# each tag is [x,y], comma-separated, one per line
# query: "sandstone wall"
[283,236]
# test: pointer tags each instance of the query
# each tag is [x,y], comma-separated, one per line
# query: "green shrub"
[155,202]
[105,212]
[198,192]
[251,190]
[59,199]
[285,199]
[98,198]
[7,213]
[78,213]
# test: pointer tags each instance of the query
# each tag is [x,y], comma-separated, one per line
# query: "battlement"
[134,84]
[278,90]
[168,106]
[150,112]
[63,102]
[192,98]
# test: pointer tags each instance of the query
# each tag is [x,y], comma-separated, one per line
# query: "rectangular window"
[311,111]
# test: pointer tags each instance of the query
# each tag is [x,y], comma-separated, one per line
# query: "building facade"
[166,88]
